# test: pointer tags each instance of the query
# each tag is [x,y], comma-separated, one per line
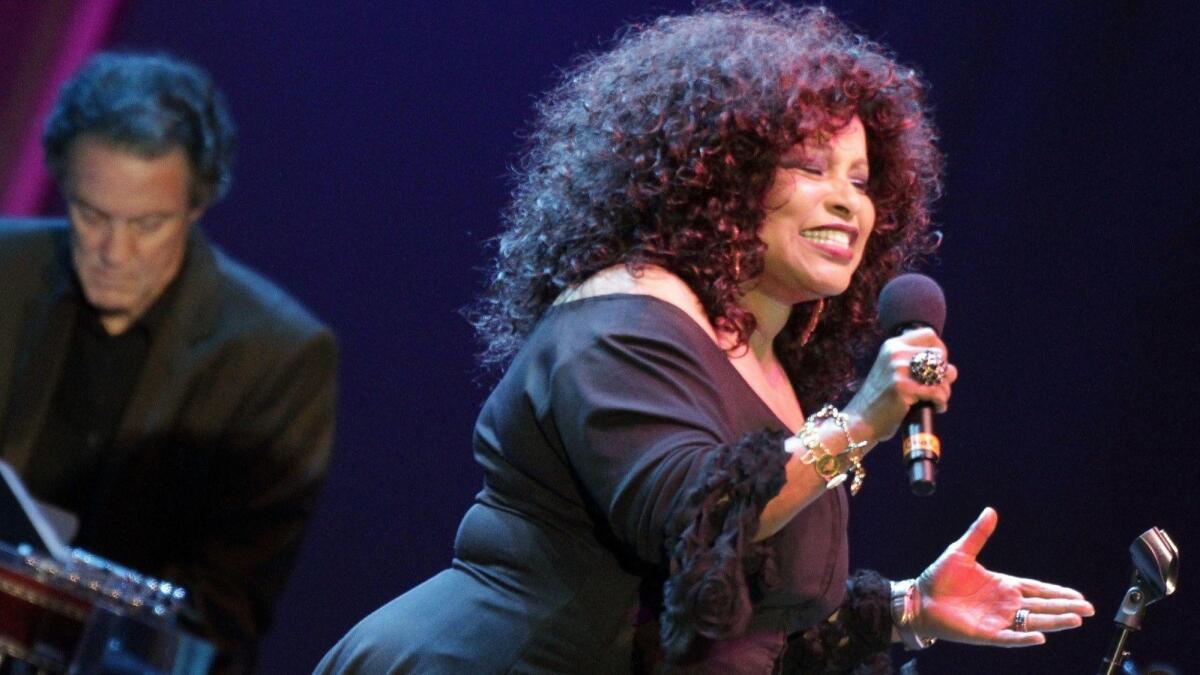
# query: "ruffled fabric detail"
[715,567]
[855,640]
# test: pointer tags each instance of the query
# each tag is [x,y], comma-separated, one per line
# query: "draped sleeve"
[644,428]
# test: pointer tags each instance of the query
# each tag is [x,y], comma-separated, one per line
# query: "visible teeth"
[823,236]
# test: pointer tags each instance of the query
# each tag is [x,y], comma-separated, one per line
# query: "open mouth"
[835,241]
[829,236]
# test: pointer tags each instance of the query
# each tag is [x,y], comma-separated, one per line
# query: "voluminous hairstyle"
[661,150]
[148,104]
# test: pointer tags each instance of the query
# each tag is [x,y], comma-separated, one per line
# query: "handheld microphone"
[908,302]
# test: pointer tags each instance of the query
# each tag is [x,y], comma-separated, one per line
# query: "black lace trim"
[715,566]
[855,640]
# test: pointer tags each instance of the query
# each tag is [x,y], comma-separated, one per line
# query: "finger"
[1049,623]
[941,402]
[1012,638]
[951,373]
[911,391]
[977,535]
[920,337]
[937,394]
[1032,588]
[942,397]
[907,352]
[1058,606]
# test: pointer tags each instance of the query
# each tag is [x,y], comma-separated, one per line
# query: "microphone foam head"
[911,299]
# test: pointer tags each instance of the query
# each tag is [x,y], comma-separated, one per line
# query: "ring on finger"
[1020,621]
[928,367]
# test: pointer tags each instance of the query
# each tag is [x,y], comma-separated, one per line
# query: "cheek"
[783,187]
[85,242]
[773,233]
[163,258]
[156,262]
[866,221]
[85,254]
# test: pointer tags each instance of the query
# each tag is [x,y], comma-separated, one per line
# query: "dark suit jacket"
[223,445]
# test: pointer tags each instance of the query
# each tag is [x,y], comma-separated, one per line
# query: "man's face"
[130,218]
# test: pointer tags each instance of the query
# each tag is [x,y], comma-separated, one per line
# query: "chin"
[108,303]
[826,290]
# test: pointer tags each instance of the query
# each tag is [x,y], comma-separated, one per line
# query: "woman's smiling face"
[819,217]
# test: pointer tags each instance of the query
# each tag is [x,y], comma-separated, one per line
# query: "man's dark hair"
[148,104]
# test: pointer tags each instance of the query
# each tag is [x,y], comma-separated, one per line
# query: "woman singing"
[702,224]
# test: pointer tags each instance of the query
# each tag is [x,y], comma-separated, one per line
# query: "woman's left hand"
[962,601]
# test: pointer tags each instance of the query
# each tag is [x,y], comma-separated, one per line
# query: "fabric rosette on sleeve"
[715,566]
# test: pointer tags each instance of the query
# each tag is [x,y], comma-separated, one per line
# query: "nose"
[118,245]
[844,199]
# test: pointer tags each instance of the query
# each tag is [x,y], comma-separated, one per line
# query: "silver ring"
[1019,621]
[928,367]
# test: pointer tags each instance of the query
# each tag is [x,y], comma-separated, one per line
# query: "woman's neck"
[770,316]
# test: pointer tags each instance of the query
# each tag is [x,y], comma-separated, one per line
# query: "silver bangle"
[906,603]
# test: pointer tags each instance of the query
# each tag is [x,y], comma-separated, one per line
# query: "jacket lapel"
[158,395]
[45,335]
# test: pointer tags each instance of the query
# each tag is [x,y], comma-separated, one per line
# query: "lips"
[836,240]
[107,280]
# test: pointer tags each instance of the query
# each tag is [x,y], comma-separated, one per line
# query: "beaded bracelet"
[832,468]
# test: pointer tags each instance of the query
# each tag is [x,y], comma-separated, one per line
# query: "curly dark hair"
[660,151]
[148,104]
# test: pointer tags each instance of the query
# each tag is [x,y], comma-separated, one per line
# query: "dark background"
[375,141]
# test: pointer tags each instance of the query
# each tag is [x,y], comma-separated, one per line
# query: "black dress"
[625,464]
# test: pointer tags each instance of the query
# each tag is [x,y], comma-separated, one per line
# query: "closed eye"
[810,169]
[149,224]
[89,215]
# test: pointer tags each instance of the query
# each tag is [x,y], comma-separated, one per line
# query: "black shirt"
[97,379]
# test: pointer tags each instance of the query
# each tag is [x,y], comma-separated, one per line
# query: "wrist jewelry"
[906,603]
[833,468]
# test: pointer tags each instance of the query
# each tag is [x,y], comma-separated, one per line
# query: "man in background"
[179,404]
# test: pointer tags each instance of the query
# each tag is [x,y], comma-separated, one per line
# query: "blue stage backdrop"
[376,137]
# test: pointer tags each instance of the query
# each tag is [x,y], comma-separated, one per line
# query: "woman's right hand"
[889,389]
[873,415]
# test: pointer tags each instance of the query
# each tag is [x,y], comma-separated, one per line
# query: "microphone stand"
[1155,574]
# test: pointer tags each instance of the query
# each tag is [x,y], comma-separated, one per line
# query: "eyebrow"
[88,205]
[823,150]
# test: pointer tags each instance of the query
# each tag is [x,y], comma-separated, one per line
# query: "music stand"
[22,521]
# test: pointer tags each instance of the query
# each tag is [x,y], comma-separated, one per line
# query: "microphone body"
[909,302]
[922,449]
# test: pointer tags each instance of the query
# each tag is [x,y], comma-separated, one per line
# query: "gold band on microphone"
[922,446]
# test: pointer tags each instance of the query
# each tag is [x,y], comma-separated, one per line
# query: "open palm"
[963,601]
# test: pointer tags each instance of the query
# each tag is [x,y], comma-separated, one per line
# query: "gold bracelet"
[832,468]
